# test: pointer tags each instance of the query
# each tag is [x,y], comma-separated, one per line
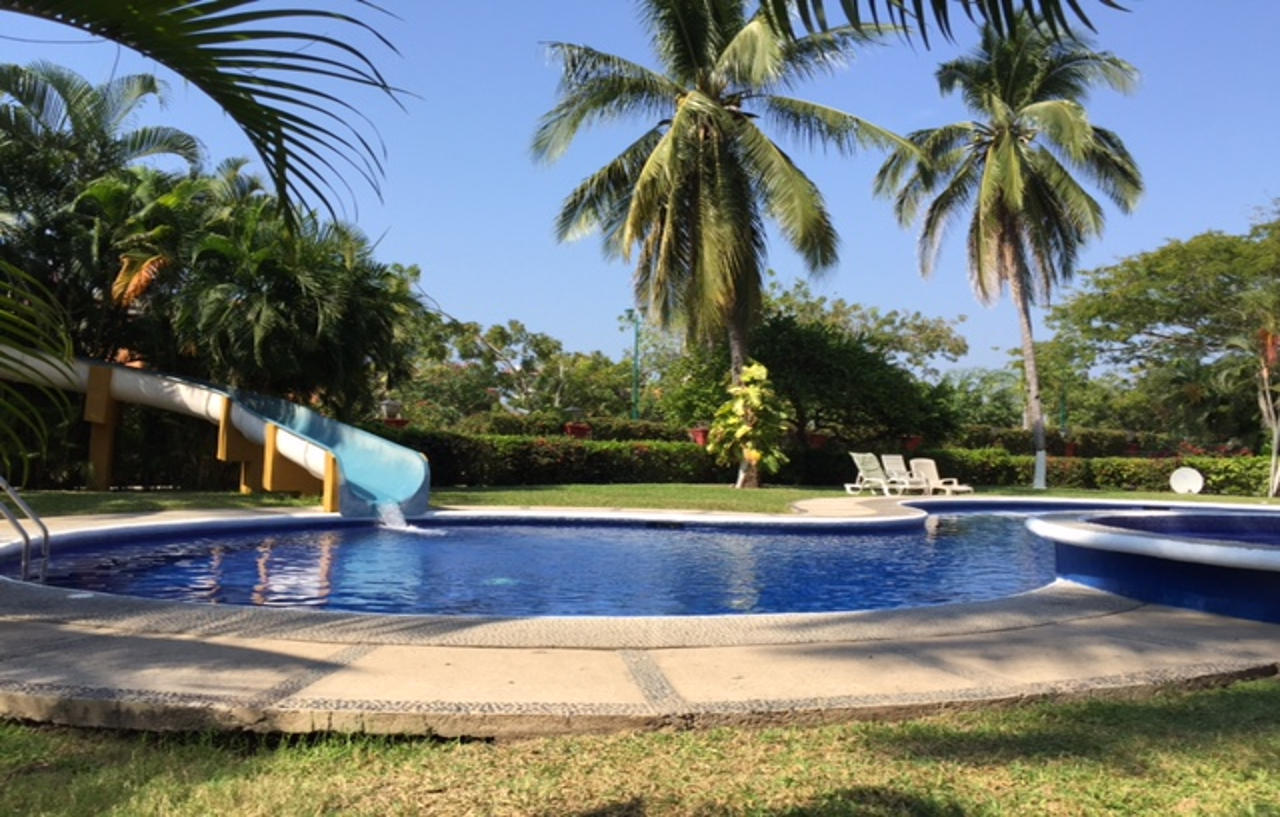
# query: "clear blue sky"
[464,200]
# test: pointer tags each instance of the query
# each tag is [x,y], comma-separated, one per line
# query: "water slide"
[281,446]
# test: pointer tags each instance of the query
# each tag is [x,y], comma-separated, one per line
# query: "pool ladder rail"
[22,530]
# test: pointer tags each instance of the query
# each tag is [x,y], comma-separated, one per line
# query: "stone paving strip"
[96,660]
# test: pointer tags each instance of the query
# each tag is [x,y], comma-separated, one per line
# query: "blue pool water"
[575,569]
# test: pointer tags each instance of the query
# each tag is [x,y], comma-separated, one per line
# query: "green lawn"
[1202,753]
[672,496]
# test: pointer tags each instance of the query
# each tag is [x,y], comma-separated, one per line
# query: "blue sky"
[464,200]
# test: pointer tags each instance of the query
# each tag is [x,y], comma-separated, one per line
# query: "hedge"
[460,459]
[1086,442]
[550,424]
[1239,476]
[492,459]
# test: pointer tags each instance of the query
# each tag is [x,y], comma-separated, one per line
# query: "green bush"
[1084,442]
[1132,473]
[461,459]
[551,424]
[619,429]
[1238,476]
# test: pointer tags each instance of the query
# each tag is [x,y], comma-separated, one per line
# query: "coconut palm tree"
[691,194]
[1011,172]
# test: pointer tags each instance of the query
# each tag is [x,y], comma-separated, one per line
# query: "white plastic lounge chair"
[928,469]
[871,476]
[896,467]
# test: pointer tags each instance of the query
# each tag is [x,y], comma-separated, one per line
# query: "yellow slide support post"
[103,414]
[280,474]
[235,447]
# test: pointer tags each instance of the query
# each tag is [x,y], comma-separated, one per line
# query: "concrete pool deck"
[94,660]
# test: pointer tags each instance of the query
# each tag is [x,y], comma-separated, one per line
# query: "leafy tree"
[692,192]
[984,397]
[78,127]
[1180,327]
[1012,172]
[305,313]
[262,67]
[910,339]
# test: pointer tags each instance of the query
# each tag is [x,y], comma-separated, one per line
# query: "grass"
[700,497]
[1207,752]
[61,503]
[772,499]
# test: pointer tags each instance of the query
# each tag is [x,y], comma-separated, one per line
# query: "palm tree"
[251,60]
[260,65]
[692,192]
[1012,172]
[54,109]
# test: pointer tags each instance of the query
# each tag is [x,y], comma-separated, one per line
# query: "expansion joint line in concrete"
[653,684]
[300,681]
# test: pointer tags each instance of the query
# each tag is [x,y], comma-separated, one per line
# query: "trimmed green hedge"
[491,459]
[1239,476]
[1086,442]
[549,424]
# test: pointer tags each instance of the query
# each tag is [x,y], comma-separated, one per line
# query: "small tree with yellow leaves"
[749,428]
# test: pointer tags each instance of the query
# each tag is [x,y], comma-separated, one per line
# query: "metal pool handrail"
[22,531]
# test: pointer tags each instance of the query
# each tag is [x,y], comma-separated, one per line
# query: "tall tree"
[692,192]
[1012,172]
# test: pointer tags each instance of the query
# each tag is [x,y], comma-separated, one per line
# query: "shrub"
[613,428]
[1132,473]
[461,459]
[1241,476]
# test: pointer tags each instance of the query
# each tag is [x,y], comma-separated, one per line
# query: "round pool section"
[644,567]
[1218,562]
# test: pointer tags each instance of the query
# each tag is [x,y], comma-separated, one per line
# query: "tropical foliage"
[264,68]
[1189,328]
[1012,172]
[748,428]
[267,75]
[690,195]
[27,322]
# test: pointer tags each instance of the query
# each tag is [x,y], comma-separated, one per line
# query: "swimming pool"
[1219,561]
[648,566]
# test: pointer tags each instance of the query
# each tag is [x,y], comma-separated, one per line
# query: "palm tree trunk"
[748,471]
[1035,413]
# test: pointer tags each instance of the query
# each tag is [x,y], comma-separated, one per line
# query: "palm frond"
[602,199]
[792,199]
[35,349]
[159,140]
[921,15]
[1063,122]
[597,86]
[820,125]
